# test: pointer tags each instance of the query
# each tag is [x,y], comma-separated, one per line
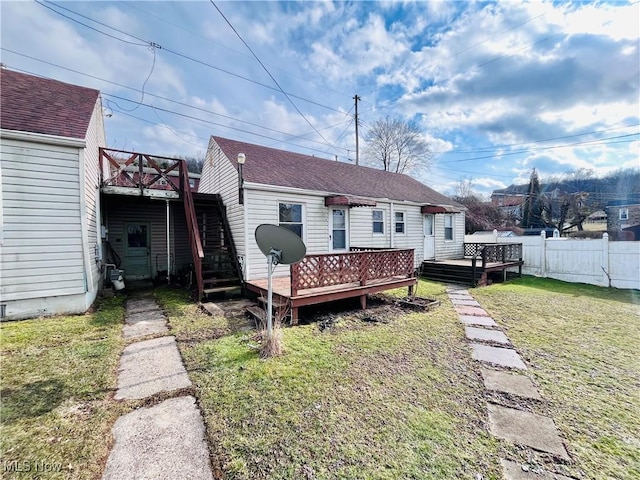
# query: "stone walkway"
[167,440]
[501,366]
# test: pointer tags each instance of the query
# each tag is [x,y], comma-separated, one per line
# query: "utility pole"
[356,98]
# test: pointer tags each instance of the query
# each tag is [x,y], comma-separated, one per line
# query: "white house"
[50,244]
[333,206]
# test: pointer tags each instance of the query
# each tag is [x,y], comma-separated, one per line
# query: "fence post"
[605,259]
[543,254]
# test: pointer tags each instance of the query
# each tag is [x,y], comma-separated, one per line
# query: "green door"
[137,264]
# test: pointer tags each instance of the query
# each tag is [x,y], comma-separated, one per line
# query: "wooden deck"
[481,261]
[328,277]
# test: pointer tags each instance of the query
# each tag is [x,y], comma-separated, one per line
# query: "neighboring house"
[624,216]
[510,200]
[333,206]
[50,245]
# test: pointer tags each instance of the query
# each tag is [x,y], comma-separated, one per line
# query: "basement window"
[290,217]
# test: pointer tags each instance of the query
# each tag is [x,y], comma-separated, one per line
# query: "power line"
[292,136]
[270,75]
[173,52]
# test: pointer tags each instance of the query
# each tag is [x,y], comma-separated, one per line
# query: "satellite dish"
[279,245]
[288,246]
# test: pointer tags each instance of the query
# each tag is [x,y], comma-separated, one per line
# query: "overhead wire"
[270,75]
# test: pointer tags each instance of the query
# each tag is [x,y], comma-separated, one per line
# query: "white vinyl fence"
[594,261]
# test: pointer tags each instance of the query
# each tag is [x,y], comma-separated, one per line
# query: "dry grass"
[57,378]
[581,344]
[399,398]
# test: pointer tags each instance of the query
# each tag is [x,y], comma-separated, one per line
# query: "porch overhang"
[439,209]
[348,201]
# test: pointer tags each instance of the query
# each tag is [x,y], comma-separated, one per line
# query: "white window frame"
[452,227]
[396,223]
[623,214]
[374,221]
[302,216]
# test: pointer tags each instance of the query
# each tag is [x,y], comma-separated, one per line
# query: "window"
[290,216]
[399,222]
[377,219]
[624,214]
[448,227]
[192,182]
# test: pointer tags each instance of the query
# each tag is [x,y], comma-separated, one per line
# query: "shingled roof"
[271,166]
[40,105]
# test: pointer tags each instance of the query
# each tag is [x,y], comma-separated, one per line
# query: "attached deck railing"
[151,172]
[357,267]
[492,253]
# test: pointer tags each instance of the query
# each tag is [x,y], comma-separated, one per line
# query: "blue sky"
[496,88]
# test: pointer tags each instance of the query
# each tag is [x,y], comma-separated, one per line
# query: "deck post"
[294,315]
[363,301]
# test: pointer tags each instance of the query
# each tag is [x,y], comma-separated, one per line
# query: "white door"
[429,238]
[339,228]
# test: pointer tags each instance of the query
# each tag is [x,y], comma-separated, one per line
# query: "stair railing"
[228,237]
[192,227]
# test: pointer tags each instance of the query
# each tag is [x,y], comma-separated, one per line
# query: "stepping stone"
[485,335]
[510,383]
[142,323]
[504,357]
[166,441]
[150,367]
[514,471]
[469,310]
[143,316]
[141,305]
[526,428]
[463,301]
[475,320]
[457,290]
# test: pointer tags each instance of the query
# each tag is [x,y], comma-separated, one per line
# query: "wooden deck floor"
[282,291]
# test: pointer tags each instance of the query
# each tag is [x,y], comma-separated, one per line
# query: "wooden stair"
[221,273]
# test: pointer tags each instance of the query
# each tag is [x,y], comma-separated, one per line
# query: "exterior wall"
[613,217]
[220,176]
[91,201]
[449,249]
[42,262]
[120,209]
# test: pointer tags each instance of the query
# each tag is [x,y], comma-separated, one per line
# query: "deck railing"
[491,253]
[361,267]
[197,251]
[140,170]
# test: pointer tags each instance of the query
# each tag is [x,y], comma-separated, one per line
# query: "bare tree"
[396,145]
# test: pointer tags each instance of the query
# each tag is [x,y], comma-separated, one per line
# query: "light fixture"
[241,159]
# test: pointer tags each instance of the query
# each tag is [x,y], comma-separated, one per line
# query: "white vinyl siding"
[449,249]
[219,176]
[42,253]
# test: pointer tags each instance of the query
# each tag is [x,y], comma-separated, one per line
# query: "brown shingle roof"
[287,169]
[40,105]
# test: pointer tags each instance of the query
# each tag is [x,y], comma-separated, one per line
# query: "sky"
[496,89]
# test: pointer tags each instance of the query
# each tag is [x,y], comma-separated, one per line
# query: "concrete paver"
[510,383]
[141,304]
[460,301]
[469,310]
[526,428]
[150,367]
[514,471]
[484,335]
[505,357]
[166,441]
[457,289]
[144,328]
[476,320]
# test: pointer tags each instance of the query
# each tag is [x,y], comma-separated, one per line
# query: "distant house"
[624,216]
[332,206]
[50,242]
[510,200]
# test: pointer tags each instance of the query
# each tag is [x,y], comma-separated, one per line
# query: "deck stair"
[221,273]
[446,273]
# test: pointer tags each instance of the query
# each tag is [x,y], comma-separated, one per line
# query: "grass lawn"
[57,375]
[582,346]
[398,398]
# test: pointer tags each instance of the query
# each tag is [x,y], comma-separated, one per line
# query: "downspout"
[392,226]
[168,246]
